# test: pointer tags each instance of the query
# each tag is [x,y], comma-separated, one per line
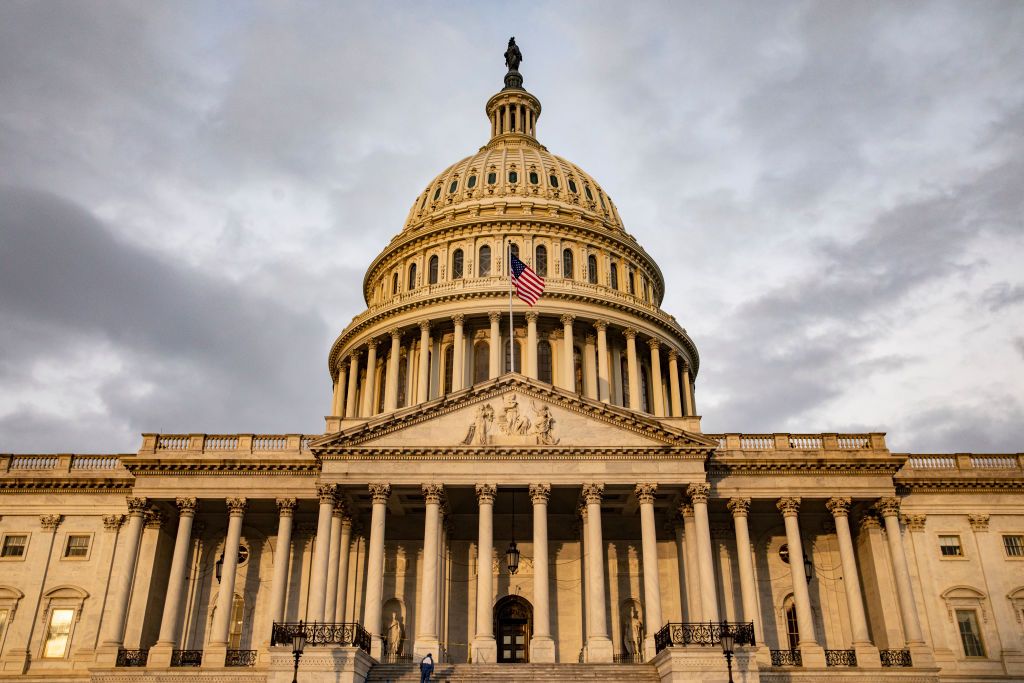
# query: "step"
[514,673]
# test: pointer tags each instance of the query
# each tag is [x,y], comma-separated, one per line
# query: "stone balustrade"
[22,465]
[224,445]
[800,442]
[934,469]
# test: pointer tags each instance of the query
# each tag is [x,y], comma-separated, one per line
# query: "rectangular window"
[950,546]
[5,614]
[1014,545]
[970,635]
[78,546]
[14,545]
[58,633]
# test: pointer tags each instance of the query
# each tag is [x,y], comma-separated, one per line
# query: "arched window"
[615,276]
[553,179]
[567,264]
[381,384]
[432,270]
[481,362]
[412,277]
[544,361]
[514,248]
[519,358]
[237,622]
[632,282]
[437,193]
[394,284]
[403,380]
[624,371]
[792,629]
[485,261]
[592,269]
[457,260]
[586,189]
[645,404]
[540,263]
[577,366]
[449,362]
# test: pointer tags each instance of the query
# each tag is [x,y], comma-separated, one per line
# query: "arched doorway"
[513,625]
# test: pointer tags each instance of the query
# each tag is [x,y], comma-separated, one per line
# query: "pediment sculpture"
[512,427]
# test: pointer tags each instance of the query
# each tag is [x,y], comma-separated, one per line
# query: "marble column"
[656,390]
[692,563]
[113,637]
[813,654]
[423,379]
[531,344]
[170,622]
[585,558]
[340,385]
[740,507]
[542,646]
[458,354]
[282,556]
[371,380]
[391,379]
[673,383]
[218,642]
[889,509]
[590,367]
[485,650]
[321,553]
[426,612]
[652,583]
[494,361]
[599,645]
[634,369]
[568,362]
[333,561]
[698,493]
[344,550]
[351,409]
[688,390]
[866,652]
[375,568]
[603,375]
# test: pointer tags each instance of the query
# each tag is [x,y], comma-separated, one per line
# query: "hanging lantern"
[512,558]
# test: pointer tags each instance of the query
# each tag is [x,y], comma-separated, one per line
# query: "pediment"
[512,412]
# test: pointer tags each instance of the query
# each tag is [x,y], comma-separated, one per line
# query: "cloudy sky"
[190,193]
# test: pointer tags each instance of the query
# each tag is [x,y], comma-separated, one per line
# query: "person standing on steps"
[426,668]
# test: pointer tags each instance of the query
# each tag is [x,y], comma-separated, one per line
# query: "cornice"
[810,466]
[960,486]
[517,453]
[65,485]
[214,466]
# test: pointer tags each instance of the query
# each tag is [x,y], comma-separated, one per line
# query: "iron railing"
[895,658]
[186,658]
[840,658]
[240,658]
[132,657]
[627,658]
[395,658]
[318,633]
[787,658]
[702,633]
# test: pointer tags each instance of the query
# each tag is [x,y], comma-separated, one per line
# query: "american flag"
[529,285]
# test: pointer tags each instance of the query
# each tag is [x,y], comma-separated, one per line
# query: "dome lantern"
[513,111]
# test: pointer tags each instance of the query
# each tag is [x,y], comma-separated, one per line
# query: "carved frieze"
[512,427]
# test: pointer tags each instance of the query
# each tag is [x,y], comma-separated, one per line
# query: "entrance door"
[514,621]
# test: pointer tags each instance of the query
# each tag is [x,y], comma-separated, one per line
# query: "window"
[615,276]
[432,270]
[412,277]
[540,263]
[77,545]
[513,177]
[577,368]
[58,633]
[592,269]
[534,178]
[457,260]
[449,362]
[632,282]
[14,545]
[437,193]
[403,381]
[514,248]
[601,197]
[471,183]
[644,384]
[454,186]
[624,372]
[950,546]
[567,264]
[5,615]
[394,284]
[237,621]
[492,178]
[544,361]
[485,261]
[481,362]
[519,358]
[382,383]
[553,179]
[1014,545]
[572,186]
[424,202]
[586,191]
[792,629]
[970,635]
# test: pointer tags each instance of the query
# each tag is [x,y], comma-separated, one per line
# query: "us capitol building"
[568,520]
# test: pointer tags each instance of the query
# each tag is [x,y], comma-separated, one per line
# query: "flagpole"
[511,338]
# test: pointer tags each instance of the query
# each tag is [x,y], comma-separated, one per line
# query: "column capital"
[869,520]
[371,344]
[326,492]
[590,339]
[353,356]
[286,506]
[458,319]
[380,492]
[567,318]
[340,508]
[978,522]
[685,510]
[699,491]
[186,506]
[739,506]
[789,507]
[236,506]
[532,316]
[137,506]
[154,519]
[629,333]
[592,493]
[645,493]
[673,355]
[424,326]
[112,522]
[915,522]
[539,493]
[485,493]
[50,522]
[839,506]
[395,332]
[888,507]
[495,316]
[433,493]
[686,366]
[654,343]
[601,325]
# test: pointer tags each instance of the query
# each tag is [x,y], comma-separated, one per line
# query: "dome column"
[589,367]
[603,384]
[351,410]
[688,390]
[494,364]
[338,400]
[673,383]
[531,344]
[423,381]
[656,389]
[634,369]
[569,366]
[457,355]
[391,381]
[371,379]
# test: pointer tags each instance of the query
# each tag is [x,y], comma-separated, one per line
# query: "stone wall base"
[706,664]
[319,665]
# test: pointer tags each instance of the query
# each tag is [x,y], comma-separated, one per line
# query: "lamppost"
[298,645]
[728,643]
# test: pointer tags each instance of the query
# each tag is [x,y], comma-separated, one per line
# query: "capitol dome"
[437,295]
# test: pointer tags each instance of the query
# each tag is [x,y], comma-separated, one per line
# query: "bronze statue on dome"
[513,57]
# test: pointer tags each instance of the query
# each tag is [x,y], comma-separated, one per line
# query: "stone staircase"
[516,673]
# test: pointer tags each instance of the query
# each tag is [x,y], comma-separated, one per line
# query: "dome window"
[601,197]
[632,283]
[534,178]
[492,178]
[454,186]
[412,277]
[394,284]
[586,190]
[471,183]
[432,270]
[544,373]
[592,269]
[457,264]
[615,276]
[553,179]
[514,248]
[437,193]
[572,187]
[513,177]
[484,269]
[540,262]
[567,265]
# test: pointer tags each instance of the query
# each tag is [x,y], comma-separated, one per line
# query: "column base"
[599,649]
[812,655]
[542,650]
[921,655]
[484,650]
[422,647]
[377,647]
[650,649]
[160,655]
[106,654]
[704,665]
[867,656]
[214,656]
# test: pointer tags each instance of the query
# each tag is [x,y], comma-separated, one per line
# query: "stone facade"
[638,535]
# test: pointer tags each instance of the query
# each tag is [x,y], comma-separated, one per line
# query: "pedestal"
[424,646]
[542,650]
[160,656]
[812,656]
[334,664]
[704,664]
[485,650]
[922,656]
[599,650]
[214,656]
[867,656]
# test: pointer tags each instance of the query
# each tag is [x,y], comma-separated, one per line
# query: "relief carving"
[511,428]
